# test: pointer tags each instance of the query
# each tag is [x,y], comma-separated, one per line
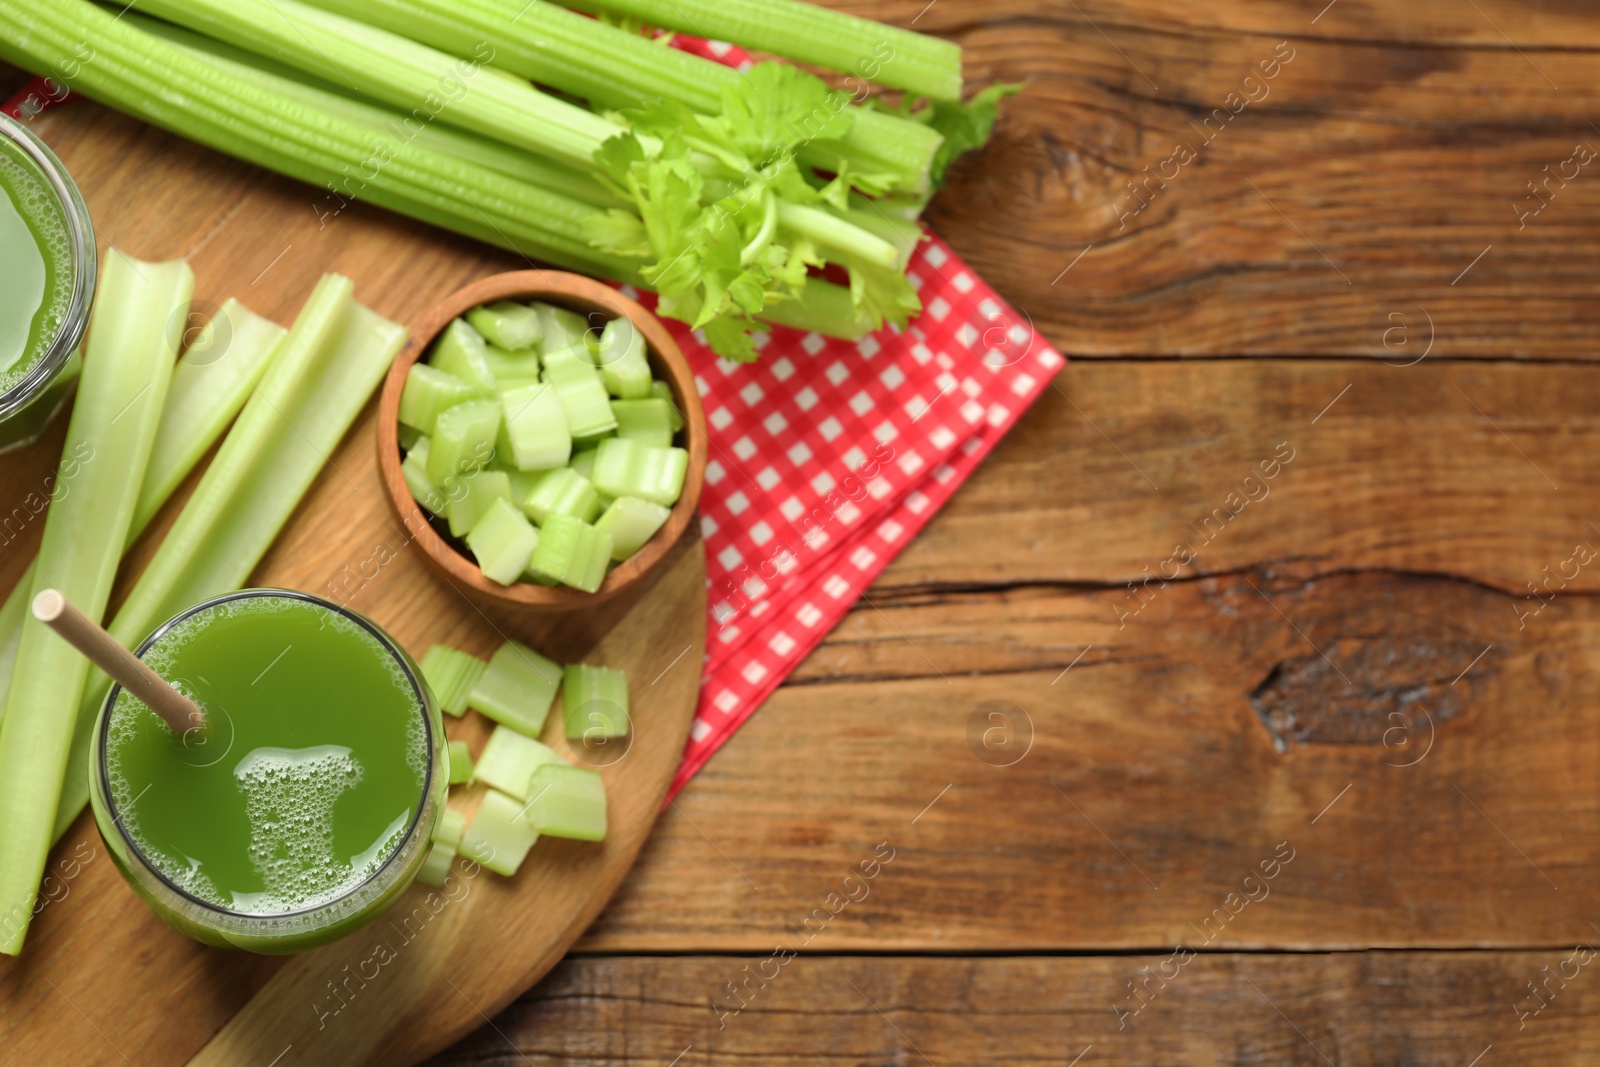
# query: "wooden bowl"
[585,296]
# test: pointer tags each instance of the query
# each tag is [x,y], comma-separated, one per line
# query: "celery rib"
[126,373]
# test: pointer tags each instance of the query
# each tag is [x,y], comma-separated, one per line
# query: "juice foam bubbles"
[36,281]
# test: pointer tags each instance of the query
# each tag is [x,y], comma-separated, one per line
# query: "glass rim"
[395,652]
[84,265]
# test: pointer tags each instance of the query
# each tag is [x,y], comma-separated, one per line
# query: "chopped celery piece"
[631,522]
[511,385]
[648,422]
[507,324]
[133,341]
[461,353]
[622,361]
[567,802]
[470,499]
[664,391]
[562,491]
[408,436]
[498,836]
[414,469]
[452,822]
[535,427]
[460,763]
[571,552]
[451,674]
[518,688]
[428,392]
[627,468]
[561,329]
[508,759]
[594,702]
[463,440]
[211,382]
[508,366]
[502,541]
[583,462]
[436,868]
[584,399]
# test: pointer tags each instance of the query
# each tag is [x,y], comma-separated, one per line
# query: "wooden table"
[1318,786]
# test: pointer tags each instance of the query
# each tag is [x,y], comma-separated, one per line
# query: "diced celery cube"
[460,351]
[520,365]
[436,868]
[408,436]
[562,491]
[627,468]
[594,702]
[508,758]
[583,461]
[647,421]
[572,552]
[428,392]
[471,497]
[562,328]
[535,427]
[631,522]
[498,836]
[622,361]
[583,398]
[450,673]
[518,688]
[502,541]
[449,827]
[459,759]
[664,391]
[463,440]
[414,469]
[567,802]
[507,324]
[508,385]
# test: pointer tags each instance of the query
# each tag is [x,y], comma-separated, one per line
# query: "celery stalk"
[567,802]
[502,542]
[509,758]
[451,821]
[517,689]
[436,868]
[498,836]
[327,367]
[460,762]
[460,351]
[451,673]
[133,341]
[594,702]
[507,324]
[572,552]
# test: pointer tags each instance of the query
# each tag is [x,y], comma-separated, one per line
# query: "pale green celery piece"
[511,384]
[452,821]
[436,868]
[594,702]
[127,368]
[428,393]
[567,802]
[216,375]
[508,758]
[518,688]
[12,613]
[451,673]
[627,468]
[535,426]
[462,352]
[648,422]
[522,485]
[560,329]
[326,369]
[502,542]
[571,552]
[407,436]
[621,358]
[507,365]
[460,764]
[631,522]
[664,391]
[583,397]
[472,496]
[414,469]
[507,324]
[463,440]
[583,462]
[562,491]
[498,837]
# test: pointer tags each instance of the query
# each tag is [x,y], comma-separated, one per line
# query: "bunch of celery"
[726,191]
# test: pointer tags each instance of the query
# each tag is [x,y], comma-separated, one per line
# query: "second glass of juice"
[307,803]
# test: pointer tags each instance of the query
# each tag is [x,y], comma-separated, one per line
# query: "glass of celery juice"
[307,803]
[47,273]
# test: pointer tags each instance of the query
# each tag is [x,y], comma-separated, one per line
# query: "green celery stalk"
[133,341]
[900,59]
[329,364]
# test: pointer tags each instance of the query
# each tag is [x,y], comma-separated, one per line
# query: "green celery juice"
[284,823]
[35,269]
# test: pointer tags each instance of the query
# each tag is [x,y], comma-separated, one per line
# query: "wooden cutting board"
[101,980]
